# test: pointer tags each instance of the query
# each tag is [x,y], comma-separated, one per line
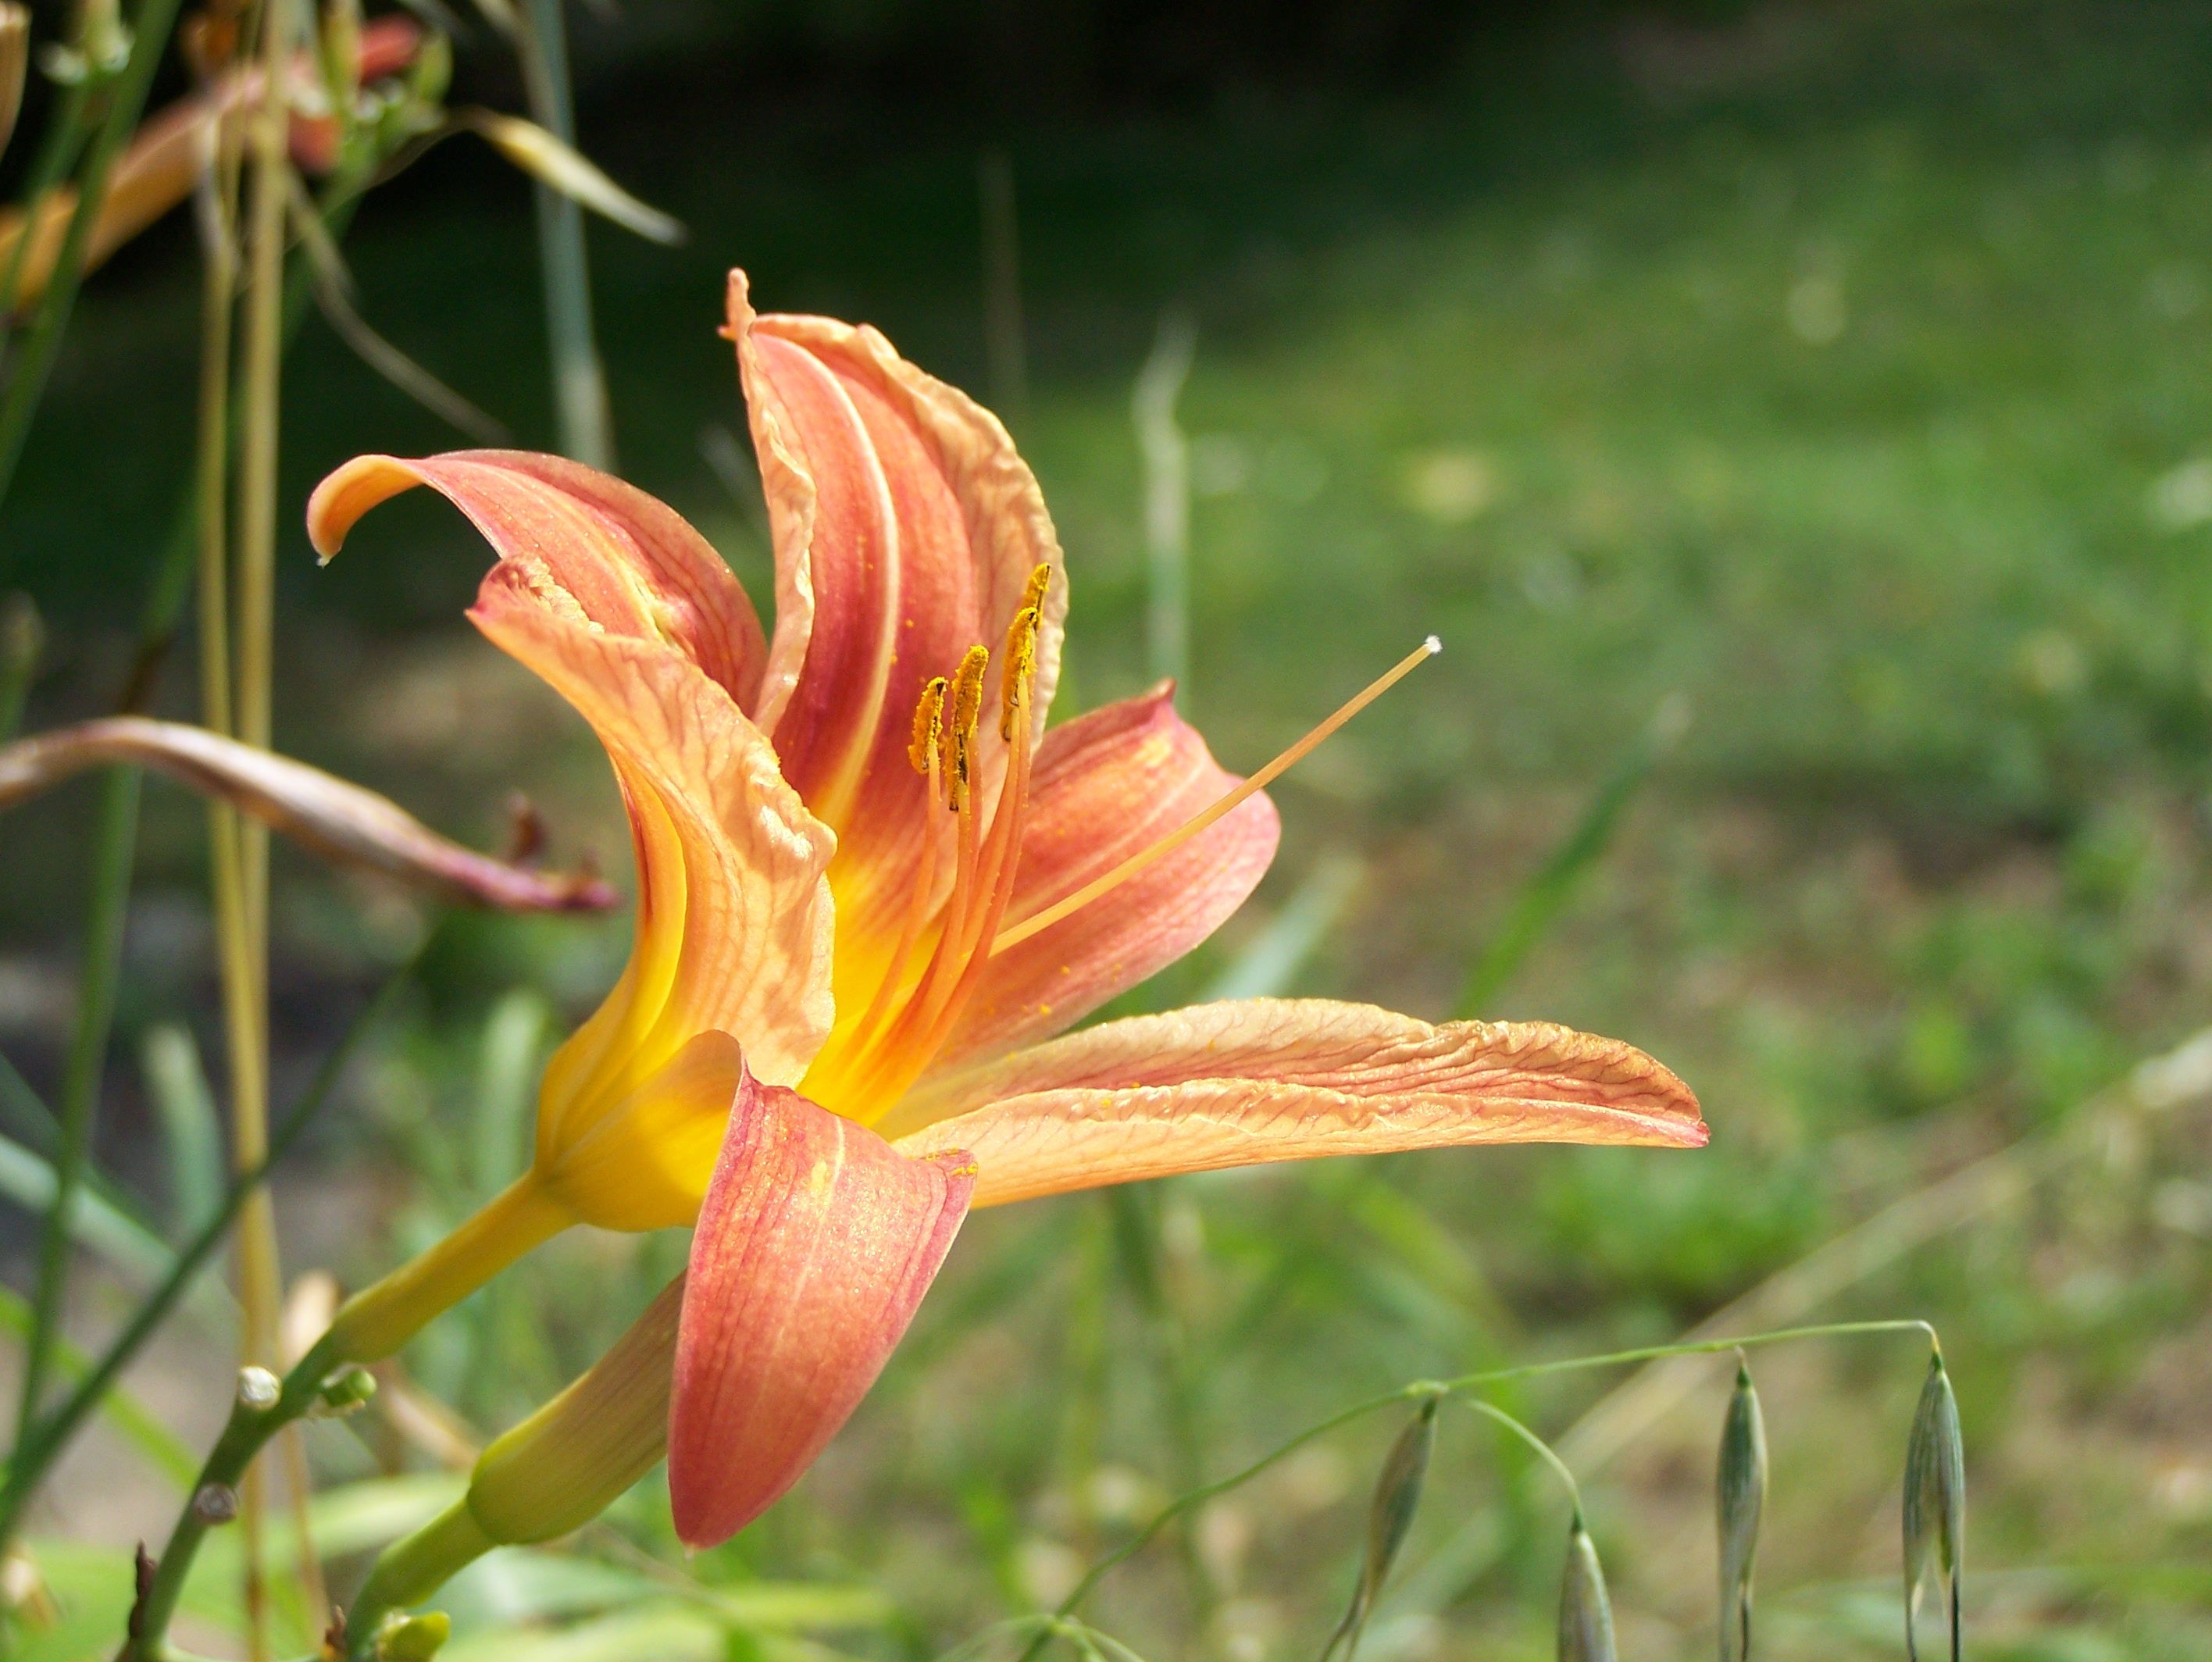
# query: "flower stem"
[377,1321]
[580,388]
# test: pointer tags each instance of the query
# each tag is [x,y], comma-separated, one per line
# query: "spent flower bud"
[258,1389]
[1740,1493]
[215,1503]
[1935,1503]
[1585,1612]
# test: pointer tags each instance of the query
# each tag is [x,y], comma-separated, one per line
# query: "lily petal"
[1108,785]
[905,528]
[815,1246]
[339,821]
[619,607]
[578,545]
[1249,1082]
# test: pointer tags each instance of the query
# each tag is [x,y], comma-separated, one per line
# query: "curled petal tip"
[348,492]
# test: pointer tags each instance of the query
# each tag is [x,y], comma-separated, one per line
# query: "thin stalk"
[580,386]
[114,842]
[117,832]
[1420,1390]
[242,901]
[52,1435]
[28,382]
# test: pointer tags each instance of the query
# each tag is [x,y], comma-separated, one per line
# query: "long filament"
[1038,921]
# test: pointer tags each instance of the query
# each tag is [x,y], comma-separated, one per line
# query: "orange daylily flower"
[872,887]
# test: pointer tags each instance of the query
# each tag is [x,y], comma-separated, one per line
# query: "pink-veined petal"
[327,815]
[815,1245]
[1266,1079]
[905,529]
[1108,785]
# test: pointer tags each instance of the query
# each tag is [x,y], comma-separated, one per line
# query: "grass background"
[1840,370]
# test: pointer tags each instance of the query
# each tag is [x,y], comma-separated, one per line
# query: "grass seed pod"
[1935,1503]
[1740,1497]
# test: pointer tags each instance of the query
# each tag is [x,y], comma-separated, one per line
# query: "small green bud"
[412,1637]
[344,1392]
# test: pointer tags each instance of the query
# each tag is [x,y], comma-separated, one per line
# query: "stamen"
[926,751]
[967,708]
[1019,668]
[1037,921]
[1033,595]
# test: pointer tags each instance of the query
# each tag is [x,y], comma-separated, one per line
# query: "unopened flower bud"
[1935,1504]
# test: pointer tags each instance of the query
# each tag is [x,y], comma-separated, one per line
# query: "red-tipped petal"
[815,1245]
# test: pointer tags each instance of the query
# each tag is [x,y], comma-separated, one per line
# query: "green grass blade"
[191,1130]
[162,1448]
[1548,895]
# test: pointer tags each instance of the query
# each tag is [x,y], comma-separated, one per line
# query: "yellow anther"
[1020,666]
[967,706]
[927,751]
[1033,596]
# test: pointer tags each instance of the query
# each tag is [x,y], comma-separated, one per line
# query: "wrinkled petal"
[611,599]
[1266,1079]
[339,821]
[905,529]
[814,1246]
[1108,785]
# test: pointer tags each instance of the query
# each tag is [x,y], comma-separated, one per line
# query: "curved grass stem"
[1415,1392]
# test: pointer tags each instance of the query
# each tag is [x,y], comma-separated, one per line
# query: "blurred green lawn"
[1846,372]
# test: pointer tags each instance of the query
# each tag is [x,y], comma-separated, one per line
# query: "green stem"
[411,1570]
[28,381]
[114,842]
[250,1428]
[580,388]
[1544,1450]
[1415,1393]
[47,1440]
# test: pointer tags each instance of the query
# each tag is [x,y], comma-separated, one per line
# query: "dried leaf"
[1741,1496]
[569,171]
[339,821]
